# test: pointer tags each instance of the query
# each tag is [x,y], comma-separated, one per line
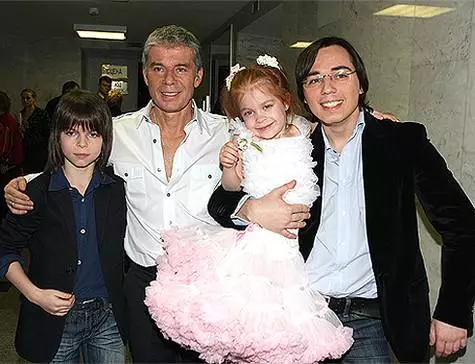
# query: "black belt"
[361,306]
[92,304]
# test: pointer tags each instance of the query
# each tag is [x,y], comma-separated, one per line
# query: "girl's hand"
[54,302]
[229,155]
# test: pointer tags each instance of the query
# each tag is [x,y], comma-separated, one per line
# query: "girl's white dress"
[243,296]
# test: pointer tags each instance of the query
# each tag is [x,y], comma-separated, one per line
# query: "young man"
[167,153]
[361,242]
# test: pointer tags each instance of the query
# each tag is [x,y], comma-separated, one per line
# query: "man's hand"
[446,338]
[274,214]
[381,116]
[18,202]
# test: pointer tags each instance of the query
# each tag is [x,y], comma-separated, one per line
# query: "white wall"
[42,64]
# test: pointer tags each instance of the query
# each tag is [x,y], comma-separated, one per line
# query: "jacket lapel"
[377,181]
[307,235]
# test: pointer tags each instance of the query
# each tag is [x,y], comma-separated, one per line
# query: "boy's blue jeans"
[90,330]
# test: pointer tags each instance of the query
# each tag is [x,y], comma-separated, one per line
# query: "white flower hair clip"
[267,60]
[234,69]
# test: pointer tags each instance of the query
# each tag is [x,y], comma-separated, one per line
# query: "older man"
[167,153]
[361,243]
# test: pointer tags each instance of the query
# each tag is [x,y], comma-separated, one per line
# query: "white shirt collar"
[197,117]
[358,128]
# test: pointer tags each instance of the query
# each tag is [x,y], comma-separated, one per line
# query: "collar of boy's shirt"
[59,181]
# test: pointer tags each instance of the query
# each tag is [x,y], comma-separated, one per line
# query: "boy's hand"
[229,155]
[17,201]
[54,302]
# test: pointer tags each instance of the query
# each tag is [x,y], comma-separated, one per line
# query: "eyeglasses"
[339,76]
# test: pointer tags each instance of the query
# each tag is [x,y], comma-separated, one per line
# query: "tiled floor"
[9,305]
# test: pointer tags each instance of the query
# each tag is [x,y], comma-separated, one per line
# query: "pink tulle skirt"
[242,297]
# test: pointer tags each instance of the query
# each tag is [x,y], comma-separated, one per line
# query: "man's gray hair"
[174,36]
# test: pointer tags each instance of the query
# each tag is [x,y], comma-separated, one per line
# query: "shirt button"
[159,169]
[168,194]
[79,262]
[126,174]
[170,222]
[82,231]
[82,200]
[154,140]
[210,176]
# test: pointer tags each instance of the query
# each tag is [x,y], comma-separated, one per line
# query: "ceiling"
[56,18]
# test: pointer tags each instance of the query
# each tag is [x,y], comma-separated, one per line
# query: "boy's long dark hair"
[85,109]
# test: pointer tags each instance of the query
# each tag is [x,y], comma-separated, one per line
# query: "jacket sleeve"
[453,216]
[15,232]
[222,205]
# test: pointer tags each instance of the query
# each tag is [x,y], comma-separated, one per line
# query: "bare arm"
[52,301]
[232,167]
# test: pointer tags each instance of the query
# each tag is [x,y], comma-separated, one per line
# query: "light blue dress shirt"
[339,264]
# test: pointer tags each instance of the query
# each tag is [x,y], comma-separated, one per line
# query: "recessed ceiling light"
[300,44]
[109,32]
[413,11]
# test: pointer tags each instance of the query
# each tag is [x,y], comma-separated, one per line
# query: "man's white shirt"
[153,203]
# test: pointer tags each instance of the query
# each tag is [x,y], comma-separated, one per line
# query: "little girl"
[243,296]
[72,301]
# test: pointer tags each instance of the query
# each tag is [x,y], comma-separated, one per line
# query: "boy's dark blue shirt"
[90,281]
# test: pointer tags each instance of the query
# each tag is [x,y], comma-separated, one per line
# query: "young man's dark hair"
[307,58]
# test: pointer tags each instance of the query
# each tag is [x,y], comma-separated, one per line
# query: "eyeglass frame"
[331,75]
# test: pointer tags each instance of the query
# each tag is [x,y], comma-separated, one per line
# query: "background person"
[104,85]
[51,105]
[11,152]
[35,129]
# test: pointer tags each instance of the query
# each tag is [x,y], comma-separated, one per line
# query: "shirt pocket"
[134,177]
[203,181]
